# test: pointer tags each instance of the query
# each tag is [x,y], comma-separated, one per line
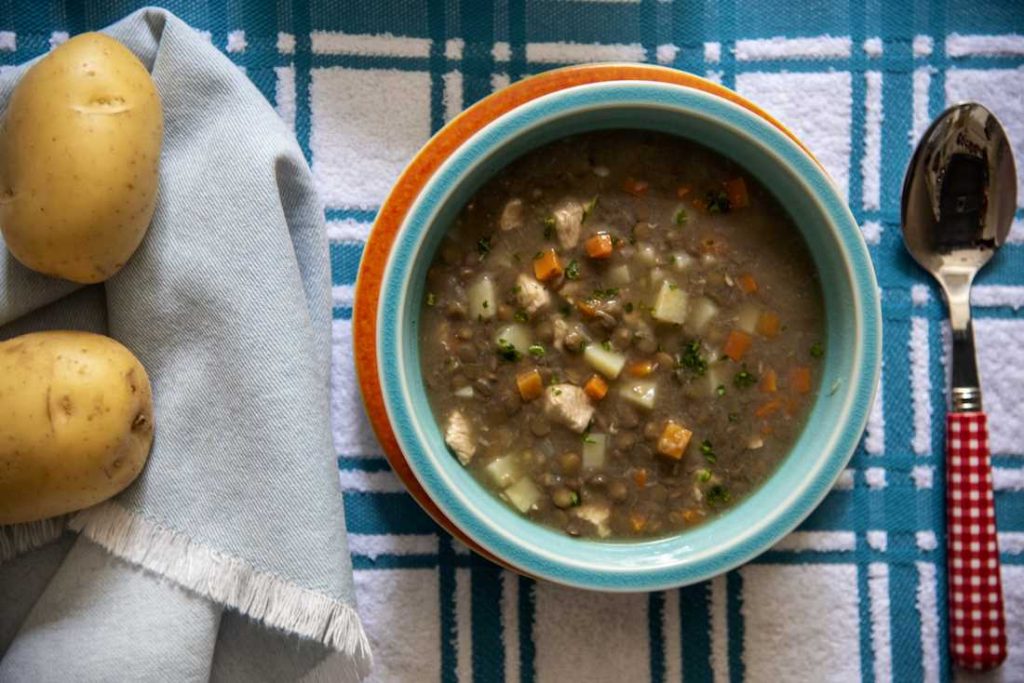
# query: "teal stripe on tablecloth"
[695,631]
[656,635]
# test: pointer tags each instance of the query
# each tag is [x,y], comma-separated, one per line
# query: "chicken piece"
[512,216]
[597,514]
[569,405]
[561,328]
[532,295]
[459,437]
[568,221]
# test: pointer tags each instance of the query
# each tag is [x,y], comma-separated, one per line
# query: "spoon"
[959,197]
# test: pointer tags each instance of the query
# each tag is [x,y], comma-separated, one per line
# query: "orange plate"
[407,189]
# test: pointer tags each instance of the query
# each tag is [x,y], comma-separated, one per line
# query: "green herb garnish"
[720,390]
[691,358]
[507,351]
[708,451]
[536,350]
[574,499]
[717,495]
[681,217]
[589,207]
[606,345]
[744,379]
[521,316]
[483,246]
[431,299]
[734,417]
[817,350]
[606,294]
[703,475]
[572,271]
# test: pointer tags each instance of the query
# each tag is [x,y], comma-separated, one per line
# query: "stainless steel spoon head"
[959,194]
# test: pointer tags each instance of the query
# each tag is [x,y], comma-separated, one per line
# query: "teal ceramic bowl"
[837,418]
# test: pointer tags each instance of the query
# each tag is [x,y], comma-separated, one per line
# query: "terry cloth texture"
[238,512]
[858,592]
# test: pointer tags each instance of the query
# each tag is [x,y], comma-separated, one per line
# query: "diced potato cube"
[619,275]
[464,392]
[482,301]
[503,471]
[701,313]
[512,216]
[608,363]
[594,448]
[747,318]
[670,305]
[524,494]
[674,440]
[641,394]
[597,514]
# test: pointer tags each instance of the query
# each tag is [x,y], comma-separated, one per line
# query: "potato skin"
[79,151]
[76,422]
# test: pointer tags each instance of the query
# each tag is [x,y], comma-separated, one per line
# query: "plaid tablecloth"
[858,592]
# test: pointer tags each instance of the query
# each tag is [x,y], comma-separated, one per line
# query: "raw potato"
[79,150]
[76,423]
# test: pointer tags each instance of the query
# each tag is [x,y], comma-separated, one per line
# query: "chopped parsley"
[718,201]
[744,379]
[691,358]
[708,451]
[734,417]
[521,316]
[431,299]
[572,271]
[681,217]
[717,495]
[574,499]
[507,351]
[483,246]
[817,350]
[606,294]
[720,390]
[536,350]
[589,207]
[703,475]
[606,345]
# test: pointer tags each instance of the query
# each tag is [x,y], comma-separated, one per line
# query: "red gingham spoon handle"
[976,622]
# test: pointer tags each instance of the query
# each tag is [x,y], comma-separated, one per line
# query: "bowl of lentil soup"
[631,331]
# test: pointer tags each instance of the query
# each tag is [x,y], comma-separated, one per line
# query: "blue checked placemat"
[858,592]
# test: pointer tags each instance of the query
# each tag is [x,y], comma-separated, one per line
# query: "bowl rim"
[842,442]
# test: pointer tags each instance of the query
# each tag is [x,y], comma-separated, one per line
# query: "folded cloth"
[227,559]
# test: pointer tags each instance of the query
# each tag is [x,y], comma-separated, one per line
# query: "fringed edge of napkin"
[227,580]
[16,539]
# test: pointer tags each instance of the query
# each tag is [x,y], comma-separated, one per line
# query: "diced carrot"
[596,387]
[747,283]
[587,308]
[683,190]
[691,516]
[641,368]
[699,204]
[736,189]
[637,188]
[640,477]
[547,266]
[599,246]
[768,325]
[769,381]
[530,384]
[637,520]
[792,407]
[674,440]
[737,344]
[800,379]
[769,408]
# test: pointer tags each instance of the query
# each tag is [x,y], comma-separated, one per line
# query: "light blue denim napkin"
[227,559]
